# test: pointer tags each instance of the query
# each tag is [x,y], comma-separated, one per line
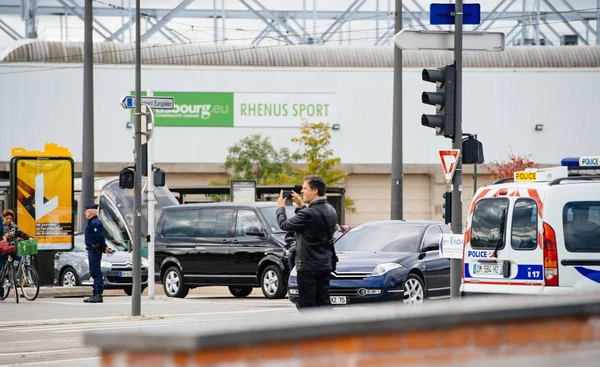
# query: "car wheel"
[240,292]
[69,278]
[414,290]
[272,283]
[173,283]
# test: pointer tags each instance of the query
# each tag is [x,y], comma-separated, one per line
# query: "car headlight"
[384,268]
[294,272]
[144,262]
[105,264]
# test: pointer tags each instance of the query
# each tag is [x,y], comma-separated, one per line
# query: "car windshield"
[271,217]
[380,238]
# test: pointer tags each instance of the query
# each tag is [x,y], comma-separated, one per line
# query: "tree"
[504,169]
[255,158]
[320,159]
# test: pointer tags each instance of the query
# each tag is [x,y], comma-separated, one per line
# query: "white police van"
[539,234]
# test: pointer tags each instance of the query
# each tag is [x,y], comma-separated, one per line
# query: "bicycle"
[24,276]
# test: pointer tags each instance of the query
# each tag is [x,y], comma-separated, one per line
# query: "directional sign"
[156,103]
[449,158]
[408,39]
[444,13]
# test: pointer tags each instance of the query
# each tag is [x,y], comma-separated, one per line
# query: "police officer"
[95,246]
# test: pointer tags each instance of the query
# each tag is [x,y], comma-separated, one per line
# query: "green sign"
[196,109]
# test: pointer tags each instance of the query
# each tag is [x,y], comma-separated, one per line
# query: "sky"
[359,32]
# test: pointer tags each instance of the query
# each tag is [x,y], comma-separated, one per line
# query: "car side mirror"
[434,246]
[254,231]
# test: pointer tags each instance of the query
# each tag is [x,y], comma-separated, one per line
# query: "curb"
[86,291]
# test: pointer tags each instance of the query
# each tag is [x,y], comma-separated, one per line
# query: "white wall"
[43,103]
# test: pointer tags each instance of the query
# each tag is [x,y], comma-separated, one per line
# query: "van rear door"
[525,247]
[486,252]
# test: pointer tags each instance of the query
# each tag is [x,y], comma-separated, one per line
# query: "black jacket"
[313,251]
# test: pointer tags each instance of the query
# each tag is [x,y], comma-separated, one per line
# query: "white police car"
[539,234]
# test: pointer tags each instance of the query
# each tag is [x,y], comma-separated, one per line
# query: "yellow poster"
[44,198]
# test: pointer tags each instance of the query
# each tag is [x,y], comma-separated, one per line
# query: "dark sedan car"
[388,261]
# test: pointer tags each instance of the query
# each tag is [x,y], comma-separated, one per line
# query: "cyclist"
[12,233]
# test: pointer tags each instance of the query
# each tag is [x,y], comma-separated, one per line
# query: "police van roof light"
[584,161]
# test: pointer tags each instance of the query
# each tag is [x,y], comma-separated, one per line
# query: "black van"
[239,245]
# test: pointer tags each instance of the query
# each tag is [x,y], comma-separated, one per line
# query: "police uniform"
[95,246]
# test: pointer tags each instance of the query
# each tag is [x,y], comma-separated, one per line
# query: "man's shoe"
[96,298]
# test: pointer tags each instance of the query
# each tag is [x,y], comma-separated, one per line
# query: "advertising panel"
[43,193]
[246,109]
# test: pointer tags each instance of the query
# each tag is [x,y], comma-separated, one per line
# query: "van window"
[488,226]
[524,225]
[181,223]
[581,222]
[215,222]
[245,219]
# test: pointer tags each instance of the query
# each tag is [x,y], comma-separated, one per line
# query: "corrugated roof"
[299,56]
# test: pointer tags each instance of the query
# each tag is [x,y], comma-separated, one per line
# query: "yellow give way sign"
[525,176]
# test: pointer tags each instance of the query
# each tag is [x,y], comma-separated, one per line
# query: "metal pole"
[216,24]
[537,23]
[396,209]
[475,174]
[597,22]
[455,264]
[151,201]
[137,192]
[87,163]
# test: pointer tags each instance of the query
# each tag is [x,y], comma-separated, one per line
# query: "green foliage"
[255,158]
[320,159]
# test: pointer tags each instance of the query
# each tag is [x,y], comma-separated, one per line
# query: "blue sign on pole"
[444,13]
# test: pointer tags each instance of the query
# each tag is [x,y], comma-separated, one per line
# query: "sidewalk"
[86,291]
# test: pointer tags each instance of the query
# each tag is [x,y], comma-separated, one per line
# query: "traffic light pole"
[456,264]
[397,163]
[136,304]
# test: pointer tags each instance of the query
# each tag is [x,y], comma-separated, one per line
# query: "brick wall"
[434,347]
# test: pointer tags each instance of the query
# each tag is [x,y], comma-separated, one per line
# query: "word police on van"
[539,234]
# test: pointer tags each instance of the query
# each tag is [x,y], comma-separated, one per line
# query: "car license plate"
[488,269]
[125,274]
[337,300]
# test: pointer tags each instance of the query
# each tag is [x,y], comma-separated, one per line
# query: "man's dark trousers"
[313,288]
[96,272]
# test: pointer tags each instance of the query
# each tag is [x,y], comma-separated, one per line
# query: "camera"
[287,194]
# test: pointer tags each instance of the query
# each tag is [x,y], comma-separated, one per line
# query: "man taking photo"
[313,226]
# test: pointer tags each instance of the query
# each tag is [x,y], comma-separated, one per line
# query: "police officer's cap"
[91,206]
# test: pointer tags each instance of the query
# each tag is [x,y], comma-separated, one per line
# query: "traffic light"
[447,205]
[442,99]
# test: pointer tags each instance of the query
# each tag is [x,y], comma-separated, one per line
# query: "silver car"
[72,268]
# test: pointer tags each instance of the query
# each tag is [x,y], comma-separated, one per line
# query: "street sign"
[444,13]
[451,245]
[449,158]
[408,39]
[156,103]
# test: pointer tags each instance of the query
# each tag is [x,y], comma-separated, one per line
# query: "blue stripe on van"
[529,272]
[591,274]
[467,272]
